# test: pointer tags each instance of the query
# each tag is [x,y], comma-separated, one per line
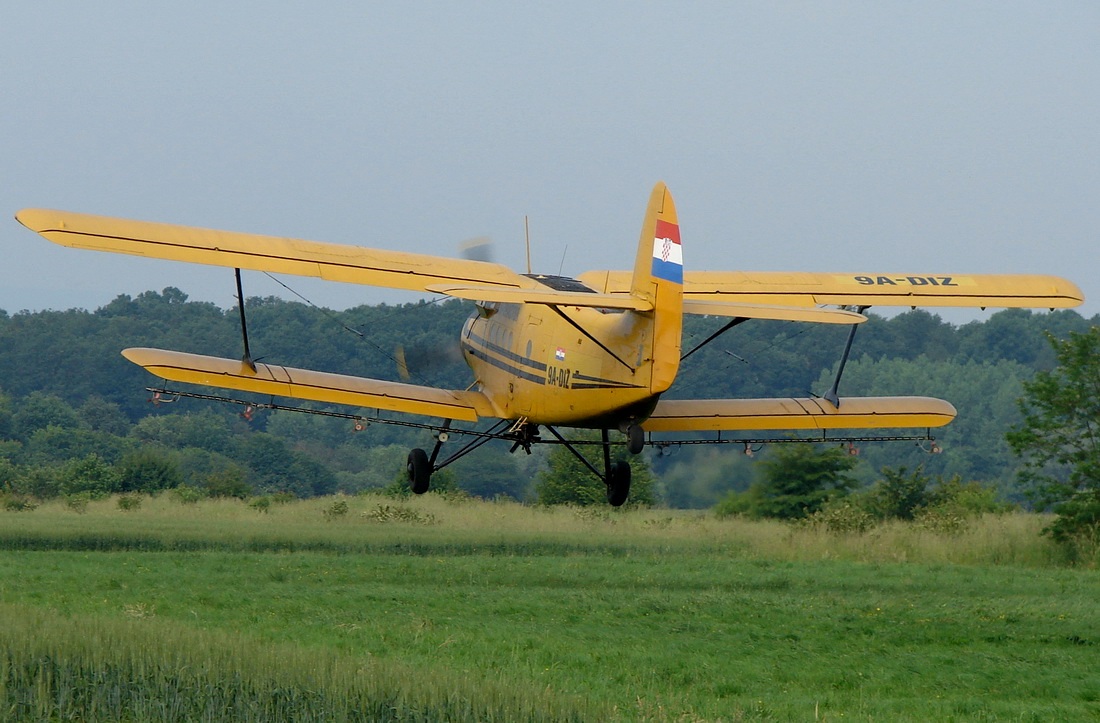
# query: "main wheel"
[419,470]
[618,484]
[635,436]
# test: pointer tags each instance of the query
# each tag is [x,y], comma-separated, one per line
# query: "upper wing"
[333,262]
[812,413]
[176,366]
[803,289]
[542,296]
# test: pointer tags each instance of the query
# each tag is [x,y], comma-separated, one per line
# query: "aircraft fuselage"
[534,364]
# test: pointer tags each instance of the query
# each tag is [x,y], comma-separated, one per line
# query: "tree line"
[74,415]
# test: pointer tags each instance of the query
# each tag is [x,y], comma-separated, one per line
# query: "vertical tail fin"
[659,278]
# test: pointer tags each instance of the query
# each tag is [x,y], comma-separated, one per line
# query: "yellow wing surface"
[332,262]
[282,381]
[810,413]
[804,289]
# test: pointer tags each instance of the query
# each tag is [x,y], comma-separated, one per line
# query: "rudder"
[659,278]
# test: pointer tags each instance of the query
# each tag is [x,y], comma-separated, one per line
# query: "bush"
[78,502]
[261,504]
[1078,519]
[129,502]
[38,482]
[282,498]
[336,510]
[898,495]
[398,513]
[842,516]
[90,474]
[19,503]
[944,519]
[228,482]
[187,495]
[797,481]
[970,499]
[148,472]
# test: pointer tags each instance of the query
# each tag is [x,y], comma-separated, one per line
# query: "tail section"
[659,279]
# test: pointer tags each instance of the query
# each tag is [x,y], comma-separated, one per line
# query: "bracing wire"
[362,337]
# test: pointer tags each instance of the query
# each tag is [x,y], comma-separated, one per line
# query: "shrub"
[129,502]
[969,498]
[261,504]
[797,481]
[398,513]
[187,495]
[282,498]
[148,472]
[943,519]
[78,502]
[228,482]
[842,516]
[19,503]
[90,474]
[899,494]
[336,510]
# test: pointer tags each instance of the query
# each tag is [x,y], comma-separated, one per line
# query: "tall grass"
[55,667]
[433,525]
[431,609]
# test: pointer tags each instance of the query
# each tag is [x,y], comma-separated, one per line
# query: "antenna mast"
[527,238]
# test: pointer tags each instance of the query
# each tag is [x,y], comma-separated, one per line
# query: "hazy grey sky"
[894,137]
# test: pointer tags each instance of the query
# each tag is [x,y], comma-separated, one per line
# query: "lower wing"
[466,406]
[811,413]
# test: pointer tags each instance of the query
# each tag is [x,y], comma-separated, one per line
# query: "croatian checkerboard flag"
[668,260]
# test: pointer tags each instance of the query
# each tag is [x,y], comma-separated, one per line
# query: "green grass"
[479,611]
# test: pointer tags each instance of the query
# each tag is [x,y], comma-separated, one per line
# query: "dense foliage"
[74,418]
[797,480]
[1059,436]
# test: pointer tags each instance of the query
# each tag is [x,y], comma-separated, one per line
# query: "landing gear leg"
[420,466]
[616,475]
[635,437]
[618,483]
[419,470]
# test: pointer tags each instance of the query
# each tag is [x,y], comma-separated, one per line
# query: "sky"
[911,138]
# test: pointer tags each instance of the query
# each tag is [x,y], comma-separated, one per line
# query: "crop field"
[368,608]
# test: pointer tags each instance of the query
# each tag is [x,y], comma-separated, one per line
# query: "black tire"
[618,484]
[419,470]
[635,436]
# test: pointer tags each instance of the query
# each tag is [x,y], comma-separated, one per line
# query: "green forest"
[75,417]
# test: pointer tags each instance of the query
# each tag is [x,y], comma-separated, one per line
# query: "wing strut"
[593,339]
[247,358]
[831,396]
[733,322]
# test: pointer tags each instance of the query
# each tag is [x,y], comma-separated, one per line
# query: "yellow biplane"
[548,351]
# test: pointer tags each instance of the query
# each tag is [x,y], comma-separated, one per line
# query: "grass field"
[436,610]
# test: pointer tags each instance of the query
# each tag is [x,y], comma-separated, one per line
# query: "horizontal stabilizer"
[332,262]
[541,296]
[282,381]
[813,413]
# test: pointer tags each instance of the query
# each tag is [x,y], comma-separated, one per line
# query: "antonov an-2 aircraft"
[548,351]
